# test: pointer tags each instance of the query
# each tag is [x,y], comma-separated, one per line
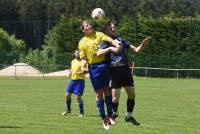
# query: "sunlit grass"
[33,106]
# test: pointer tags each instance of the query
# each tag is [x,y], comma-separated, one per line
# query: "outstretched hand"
[82,71]
[147,40]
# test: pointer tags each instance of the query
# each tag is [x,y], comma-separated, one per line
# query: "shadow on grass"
[92,115]
[76,115]
[9,127]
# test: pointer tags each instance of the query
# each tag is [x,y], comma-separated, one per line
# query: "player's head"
[111,29]
[86,27]
[76,54]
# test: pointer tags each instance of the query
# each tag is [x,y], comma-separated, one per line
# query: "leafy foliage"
[174,26]
[36,57]
[52,9]
[63,39]
[10,48]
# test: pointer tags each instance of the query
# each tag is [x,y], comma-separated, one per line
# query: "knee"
[132,96]
[68,95]
[115,95]
[99,94]
[115,98]
[107,91]
[79,99]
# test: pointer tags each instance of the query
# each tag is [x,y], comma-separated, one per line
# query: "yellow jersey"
[76,69]
[88,47]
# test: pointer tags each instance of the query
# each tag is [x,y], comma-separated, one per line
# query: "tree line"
[54,26]
[52,9]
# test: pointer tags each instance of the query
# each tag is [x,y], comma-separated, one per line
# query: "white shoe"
[81,115]
[64,113]
[106,123]
[112,121]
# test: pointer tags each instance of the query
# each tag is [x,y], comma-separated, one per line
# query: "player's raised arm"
[115,48]
[141,47]
[104,48]
[115,43]
[101,52]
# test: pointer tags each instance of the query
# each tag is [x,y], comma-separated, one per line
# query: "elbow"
[99,54]
[137,51]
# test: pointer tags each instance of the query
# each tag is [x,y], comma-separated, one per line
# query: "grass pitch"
[163,106]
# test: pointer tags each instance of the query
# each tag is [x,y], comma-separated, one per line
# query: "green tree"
[33,9]
[10,48]
[63,39]
[8,10]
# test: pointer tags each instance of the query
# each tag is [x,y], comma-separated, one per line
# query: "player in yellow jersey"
[76,85]
[98,68]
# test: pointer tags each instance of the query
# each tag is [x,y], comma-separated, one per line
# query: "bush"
[10,48]
[63,39]
[36,57]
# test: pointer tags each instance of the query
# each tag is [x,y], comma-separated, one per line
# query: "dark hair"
[109,24]
[75,55]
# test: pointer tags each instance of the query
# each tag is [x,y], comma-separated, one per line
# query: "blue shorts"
[99,75]
[76,87]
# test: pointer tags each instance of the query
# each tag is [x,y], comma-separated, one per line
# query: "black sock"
[115,107]
[130,105]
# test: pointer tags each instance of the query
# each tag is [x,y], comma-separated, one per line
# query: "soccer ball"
[98,13]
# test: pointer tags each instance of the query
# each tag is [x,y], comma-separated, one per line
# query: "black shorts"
[121,76]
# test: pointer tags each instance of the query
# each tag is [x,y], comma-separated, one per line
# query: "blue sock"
[108,100]
[80,104]
[100,106]
[69,105]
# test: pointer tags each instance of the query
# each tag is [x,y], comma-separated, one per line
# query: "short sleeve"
[125,43]
[103,45]
[104,37]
